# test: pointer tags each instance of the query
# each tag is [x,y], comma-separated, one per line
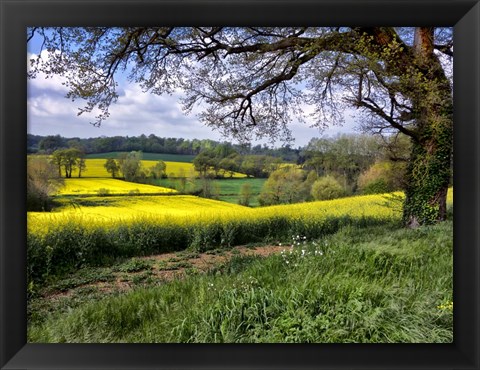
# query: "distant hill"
[147,157]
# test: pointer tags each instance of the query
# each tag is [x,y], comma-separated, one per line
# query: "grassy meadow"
[376,284]
[227,190]
[125,262]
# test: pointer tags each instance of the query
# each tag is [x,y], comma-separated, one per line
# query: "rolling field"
[95,210]
[95,168]
[348,271]
[87,186]
[121,209]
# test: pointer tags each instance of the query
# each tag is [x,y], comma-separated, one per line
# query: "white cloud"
[135,113]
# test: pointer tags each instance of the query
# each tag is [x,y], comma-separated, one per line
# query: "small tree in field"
[327,188]
[82,166]
[42,181]
[131,165]
[245,194]
[68,159]
[112,167]
[159,171]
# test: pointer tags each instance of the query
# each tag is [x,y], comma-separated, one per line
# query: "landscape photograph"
[239,185]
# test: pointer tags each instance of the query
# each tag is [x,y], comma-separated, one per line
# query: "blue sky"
[135,113]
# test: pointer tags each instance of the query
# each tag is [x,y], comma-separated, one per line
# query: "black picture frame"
[15,353]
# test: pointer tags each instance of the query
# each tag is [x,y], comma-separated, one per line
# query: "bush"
[42,181]
[378,186]
[382,177]
[103,191]
[285,185]
[327,188]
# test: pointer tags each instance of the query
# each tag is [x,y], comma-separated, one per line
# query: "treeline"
[150,144]
[341,166]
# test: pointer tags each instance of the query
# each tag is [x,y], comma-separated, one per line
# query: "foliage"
[159,170]
[345,155]
[382,177]
[82,166]
[206,161]
[42,182]
[50,143]
[130,165]
[326,188]
[69,160]
[112,167]
[245,194]
[154,148]
[285,185]
[103,192]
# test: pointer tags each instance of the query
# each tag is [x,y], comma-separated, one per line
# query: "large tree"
[251,80]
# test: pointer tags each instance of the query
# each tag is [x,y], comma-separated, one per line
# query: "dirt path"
[166,267]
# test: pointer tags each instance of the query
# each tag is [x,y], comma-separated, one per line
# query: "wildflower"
[446,306]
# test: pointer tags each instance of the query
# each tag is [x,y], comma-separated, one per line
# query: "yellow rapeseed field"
[184,209]
[82,186]
[95,168]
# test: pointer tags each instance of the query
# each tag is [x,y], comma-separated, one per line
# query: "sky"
[135,113]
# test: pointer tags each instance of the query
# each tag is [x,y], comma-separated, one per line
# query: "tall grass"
[373,284]
[69,245]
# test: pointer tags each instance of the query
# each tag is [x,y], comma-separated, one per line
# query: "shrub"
[378,186]
[103,191]
[326,188]
[42,180]
[382,177]
[285,185]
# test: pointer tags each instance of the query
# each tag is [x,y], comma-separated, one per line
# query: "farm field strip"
[129,208]
[185,208]
[82,186]
[95,168]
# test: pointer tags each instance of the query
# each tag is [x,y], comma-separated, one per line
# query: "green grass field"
[147,156]
[227,190]
[380,284]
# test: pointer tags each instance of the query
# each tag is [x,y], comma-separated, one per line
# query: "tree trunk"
[429,172]
[428,176]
